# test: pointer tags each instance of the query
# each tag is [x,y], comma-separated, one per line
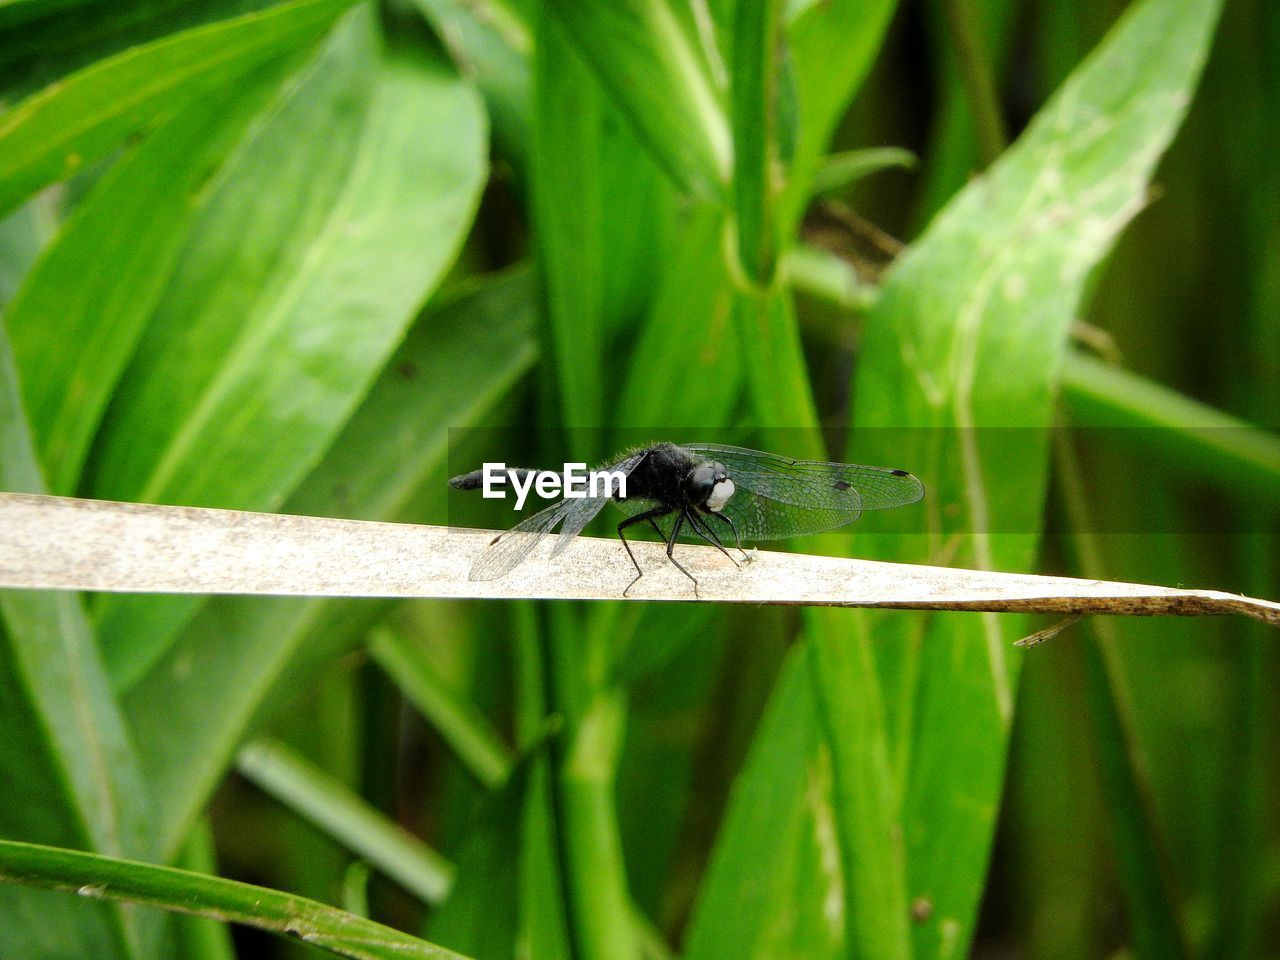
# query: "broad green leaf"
[200,701]
[111,878]
[645,57]
[72,772]
[686,365]
[279,317]
[55,42]
[78,316]
[774,887]
[82,119]
[14,13]
[481,915]
[23,234]
[568,214]
[969,332]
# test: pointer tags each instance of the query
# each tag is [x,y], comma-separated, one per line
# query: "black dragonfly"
[715,491]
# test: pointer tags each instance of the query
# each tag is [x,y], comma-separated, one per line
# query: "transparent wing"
[778,497]
[584,510]
[512,547]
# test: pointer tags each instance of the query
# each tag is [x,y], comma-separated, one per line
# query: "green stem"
[976,78]
[757,28]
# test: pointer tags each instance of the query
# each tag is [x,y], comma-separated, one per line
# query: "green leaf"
[198,938]
[463,727]
[65,126]
[481,915]
[686,367]
[280,317]
[77,318]
[74,776]
[970,332]
[840,170]
[58,42]
[832,47]
[567,209]
[492,47]
[643,54]
[1182,432]
[327,802]
[852,713]
[108,878]
[775,886]
[234,662]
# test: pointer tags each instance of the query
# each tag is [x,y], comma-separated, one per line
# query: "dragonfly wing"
[585,509]
[510,548]
[778,497]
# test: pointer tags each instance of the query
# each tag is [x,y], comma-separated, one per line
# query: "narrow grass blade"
[108,878]
[647,59]
[334,808]
[471,737]
[840,170]
[73,773]
[199,938]
[1200,439]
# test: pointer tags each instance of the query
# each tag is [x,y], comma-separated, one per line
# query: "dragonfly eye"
[709,486]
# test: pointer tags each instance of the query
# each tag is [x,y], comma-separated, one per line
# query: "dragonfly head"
[710,487]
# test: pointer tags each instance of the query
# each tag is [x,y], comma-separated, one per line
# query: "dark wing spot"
[843,485]
[901,473]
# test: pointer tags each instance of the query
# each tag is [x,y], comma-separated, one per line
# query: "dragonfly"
[719,493]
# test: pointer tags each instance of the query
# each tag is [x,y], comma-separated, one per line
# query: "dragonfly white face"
[720,495]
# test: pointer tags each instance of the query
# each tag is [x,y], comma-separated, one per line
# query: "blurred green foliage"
[299,256]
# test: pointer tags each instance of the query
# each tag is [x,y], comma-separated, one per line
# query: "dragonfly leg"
[703,529]
[650,515]
[737,540]
[671,546]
